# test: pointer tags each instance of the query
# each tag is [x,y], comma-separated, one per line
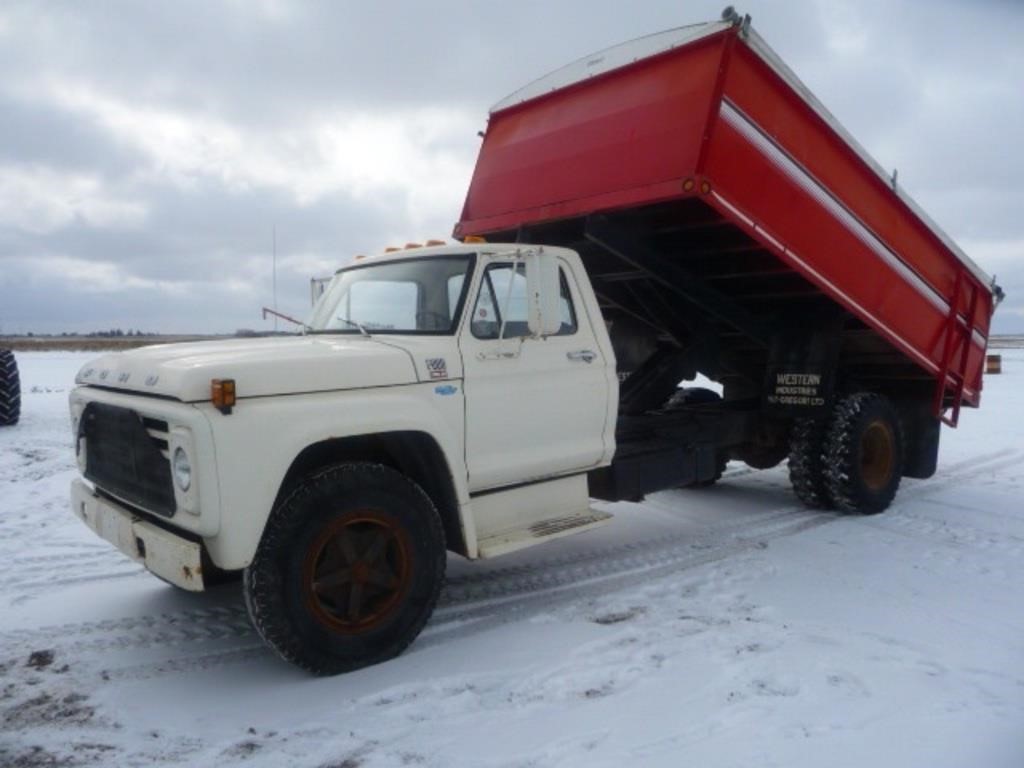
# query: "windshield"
[411,296]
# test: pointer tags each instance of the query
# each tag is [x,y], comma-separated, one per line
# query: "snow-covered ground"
[726,627]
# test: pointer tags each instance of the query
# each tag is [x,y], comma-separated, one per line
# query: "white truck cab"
[450,398]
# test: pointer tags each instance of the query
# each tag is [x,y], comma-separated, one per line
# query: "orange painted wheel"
[863,454]
[357,571]
[877,454]
[349,568]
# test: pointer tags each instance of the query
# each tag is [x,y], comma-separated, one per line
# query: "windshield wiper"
[283,316]
[354,324]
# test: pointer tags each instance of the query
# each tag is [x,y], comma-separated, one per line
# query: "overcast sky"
[148,149]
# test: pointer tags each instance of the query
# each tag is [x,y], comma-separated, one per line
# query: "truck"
[676,205]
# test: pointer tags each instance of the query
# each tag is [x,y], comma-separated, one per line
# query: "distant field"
[95,344]
[90,343]
[1006,342]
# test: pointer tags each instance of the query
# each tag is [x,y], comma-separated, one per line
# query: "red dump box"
[704,144]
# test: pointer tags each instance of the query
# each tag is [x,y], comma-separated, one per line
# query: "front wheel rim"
[357,572]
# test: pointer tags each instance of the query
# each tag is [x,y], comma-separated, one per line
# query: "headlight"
[182,469]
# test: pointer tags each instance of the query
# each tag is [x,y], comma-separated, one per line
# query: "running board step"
[541,531]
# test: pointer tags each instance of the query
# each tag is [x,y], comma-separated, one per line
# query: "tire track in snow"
[198,628]
[247,652]
[230,622]
[477,602]
[536,595]
[557,587]
[25,578]
[45,568]
[475,586]
[503,581]
[629,572]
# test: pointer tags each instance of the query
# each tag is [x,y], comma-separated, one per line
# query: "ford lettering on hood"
[260,367]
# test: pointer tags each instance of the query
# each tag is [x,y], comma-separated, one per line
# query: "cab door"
[535,407]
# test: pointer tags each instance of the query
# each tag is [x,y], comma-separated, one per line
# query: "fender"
[257,445]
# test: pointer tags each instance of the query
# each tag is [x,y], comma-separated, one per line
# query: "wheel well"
[415,454]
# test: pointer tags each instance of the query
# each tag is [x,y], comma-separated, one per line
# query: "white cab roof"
[455,249]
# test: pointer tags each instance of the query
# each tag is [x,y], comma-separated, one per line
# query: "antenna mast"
[275,278]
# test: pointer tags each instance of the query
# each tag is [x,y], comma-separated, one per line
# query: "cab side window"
[502,297]
[568,311]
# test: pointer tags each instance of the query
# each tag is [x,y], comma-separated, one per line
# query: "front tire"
[864,454]
[349,569]
[10,389]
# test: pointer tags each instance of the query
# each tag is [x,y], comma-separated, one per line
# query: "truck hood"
[260,367]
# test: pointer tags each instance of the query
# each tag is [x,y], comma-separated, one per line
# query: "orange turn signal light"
[473,239]
[222,393]
[705,187]
[434,242]
[391,249]
[413,245]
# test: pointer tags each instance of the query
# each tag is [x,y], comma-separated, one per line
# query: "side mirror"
[544,290]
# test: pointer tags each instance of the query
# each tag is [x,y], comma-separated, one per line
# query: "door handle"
[584,355]
[497,355]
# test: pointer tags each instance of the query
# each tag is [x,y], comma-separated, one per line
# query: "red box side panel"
[801,223]
[816,244]
[597,144]
[630,137]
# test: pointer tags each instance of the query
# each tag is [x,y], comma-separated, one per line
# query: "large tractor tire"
[864,454]
[349,569]
[807,463]
[10,389]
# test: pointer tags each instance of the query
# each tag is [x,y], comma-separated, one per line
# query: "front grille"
[157,430]
[127,456]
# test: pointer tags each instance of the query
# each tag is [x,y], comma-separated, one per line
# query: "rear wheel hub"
[877,452]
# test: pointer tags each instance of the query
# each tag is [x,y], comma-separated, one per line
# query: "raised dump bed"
[712,196]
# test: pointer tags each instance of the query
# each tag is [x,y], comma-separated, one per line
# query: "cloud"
[39,200]
[1003,260]
[422,150]
[148,151]
[93,276]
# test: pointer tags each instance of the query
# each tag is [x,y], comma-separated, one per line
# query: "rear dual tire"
[864,454]
[807,463]
[853,462]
